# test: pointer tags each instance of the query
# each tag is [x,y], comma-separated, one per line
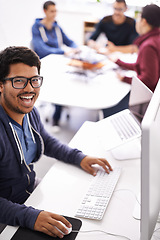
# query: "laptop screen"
[140,97]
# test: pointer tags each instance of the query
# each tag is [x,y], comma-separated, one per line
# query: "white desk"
[64,186]
[68,89]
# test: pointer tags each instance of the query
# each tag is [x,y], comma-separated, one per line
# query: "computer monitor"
[150,167]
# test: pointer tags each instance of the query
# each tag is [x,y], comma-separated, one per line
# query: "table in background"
[62,86]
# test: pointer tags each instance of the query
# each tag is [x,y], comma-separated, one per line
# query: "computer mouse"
[68,229]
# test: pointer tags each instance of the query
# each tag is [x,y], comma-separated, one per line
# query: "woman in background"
[147,65]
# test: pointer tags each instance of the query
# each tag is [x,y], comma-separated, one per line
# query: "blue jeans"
[57,113]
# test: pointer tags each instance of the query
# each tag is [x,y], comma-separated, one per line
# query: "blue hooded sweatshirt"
[47,42]
[16,177]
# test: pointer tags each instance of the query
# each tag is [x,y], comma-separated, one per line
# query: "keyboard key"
[126,126]
[99,193]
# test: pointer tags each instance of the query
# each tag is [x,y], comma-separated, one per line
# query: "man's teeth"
[27,97]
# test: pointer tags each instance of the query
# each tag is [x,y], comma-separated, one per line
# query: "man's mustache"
[26,93]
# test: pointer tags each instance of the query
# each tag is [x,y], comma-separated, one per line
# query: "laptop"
[122,130]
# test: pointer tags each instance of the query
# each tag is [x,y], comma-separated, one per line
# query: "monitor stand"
[128,151]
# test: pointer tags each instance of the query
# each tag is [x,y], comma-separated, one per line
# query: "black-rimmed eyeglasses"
[21,82]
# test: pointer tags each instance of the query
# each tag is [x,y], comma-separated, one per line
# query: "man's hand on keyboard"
[88,161]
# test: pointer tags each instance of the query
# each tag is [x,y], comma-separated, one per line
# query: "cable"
[111,234]
[130,192]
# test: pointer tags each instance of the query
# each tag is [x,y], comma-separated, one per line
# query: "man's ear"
[126,8]
[1,86]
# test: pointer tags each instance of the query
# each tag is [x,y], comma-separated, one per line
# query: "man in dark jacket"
[118,29]
[23,140]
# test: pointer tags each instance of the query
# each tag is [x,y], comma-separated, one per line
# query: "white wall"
[16,19]
[18,16]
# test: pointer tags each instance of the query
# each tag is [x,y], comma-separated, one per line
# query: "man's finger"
[106,163]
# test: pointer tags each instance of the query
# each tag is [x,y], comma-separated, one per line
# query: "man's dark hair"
[13,55]
[122,1]
[47,4]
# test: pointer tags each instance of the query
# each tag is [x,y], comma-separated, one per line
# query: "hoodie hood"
[39,24]
[142,38]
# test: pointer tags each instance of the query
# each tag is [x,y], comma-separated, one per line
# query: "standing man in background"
[49,38]
[118,29]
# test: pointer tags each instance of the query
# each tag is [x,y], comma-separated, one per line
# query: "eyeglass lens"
[22,82]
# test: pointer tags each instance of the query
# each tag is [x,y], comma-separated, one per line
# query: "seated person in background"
[49,38]
[147,65]
[23,140]
[119,30]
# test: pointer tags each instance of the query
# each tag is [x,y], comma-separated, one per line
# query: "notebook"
[122,129]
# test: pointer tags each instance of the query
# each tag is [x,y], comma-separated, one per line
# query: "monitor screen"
[150,166]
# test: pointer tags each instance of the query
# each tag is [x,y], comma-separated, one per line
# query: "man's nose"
[29,87]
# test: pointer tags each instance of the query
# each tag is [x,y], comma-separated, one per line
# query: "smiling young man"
[118,29]
[15,101]
[23,140]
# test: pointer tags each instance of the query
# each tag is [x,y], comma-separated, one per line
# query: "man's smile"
[27,99]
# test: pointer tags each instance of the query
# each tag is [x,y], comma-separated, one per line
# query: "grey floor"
[68,128]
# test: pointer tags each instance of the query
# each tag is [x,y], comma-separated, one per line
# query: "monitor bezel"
[149,146]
